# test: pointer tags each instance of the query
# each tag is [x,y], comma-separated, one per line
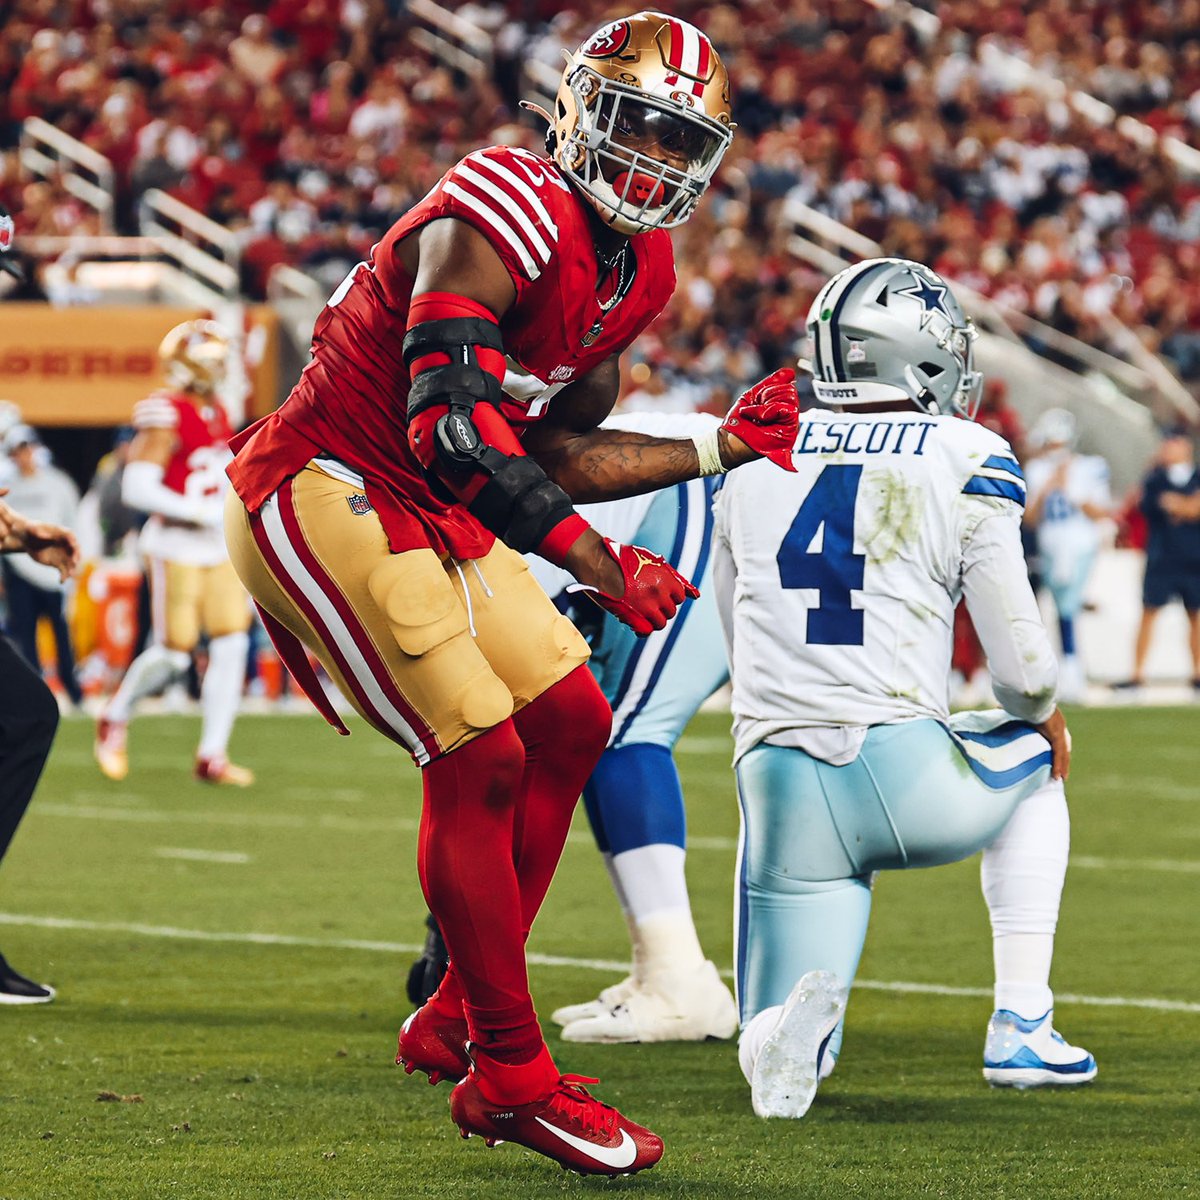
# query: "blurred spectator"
[1171,504]
[995,413]
[254,55]
[115,518]
[34,590]
[1068,495]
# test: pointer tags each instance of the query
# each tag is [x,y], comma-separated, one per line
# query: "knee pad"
[418,601]
[426,618]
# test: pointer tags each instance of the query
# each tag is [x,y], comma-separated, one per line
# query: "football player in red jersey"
[384,507]
[176,473]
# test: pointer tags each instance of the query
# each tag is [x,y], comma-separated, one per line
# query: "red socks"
[514,786]
[564,732]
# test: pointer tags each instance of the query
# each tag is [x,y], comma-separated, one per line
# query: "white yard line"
[540,960]
[1181,865]
[273,820]
[344,824]
[1144,787]
[213,856]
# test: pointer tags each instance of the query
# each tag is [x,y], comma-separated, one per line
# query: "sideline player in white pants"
[634,799]
[1068,498]
[837,587]
[176,473]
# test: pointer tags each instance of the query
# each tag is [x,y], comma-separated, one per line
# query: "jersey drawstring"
[467,596]
[487,591]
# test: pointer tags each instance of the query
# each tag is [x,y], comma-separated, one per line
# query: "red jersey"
[203,434]
[350,401]
[196,469]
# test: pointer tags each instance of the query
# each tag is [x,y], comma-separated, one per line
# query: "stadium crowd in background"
[287,123]
[290,123]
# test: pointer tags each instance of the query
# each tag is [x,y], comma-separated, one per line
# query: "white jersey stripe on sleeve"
[1012,475]
[526,192]
[502,227]
[509,206]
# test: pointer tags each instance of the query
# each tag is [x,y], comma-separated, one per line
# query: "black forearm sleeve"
[519,504]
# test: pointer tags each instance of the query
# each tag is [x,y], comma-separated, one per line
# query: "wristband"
[708,450]
[561,538]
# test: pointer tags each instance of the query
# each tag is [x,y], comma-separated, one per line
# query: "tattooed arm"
[591,464]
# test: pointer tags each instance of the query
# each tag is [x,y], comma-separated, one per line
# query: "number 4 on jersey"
[834,570]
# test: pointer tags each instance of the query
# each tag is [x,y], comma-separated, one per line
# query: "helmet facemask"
[958,341]
[645,163]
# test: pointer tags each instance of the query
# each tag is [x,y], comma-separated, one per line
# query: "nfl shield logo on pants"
[359,504]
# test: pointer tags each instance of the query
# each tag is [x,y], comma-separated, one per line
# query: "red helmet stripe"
[705,60]
[675,54]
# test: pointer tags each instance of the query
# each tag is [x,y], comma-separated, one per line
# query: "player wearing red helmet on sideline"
[384,507]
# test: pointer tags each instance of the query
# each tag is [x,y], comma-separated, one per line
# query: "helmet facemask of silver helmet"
[889,329]
[647,161]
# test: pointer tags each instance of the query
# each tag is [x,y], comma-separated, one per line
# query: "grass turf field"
[230,968]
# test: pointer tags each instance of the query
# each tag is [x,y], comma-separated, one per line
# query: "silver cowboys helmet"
[890,329]
[1055,427]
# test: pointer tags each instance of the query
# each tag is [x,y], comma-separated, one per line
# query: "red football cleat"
[435,1044]
[565,1123]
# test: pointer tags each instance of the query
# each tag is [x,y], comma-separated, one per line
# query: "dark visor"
[643,128]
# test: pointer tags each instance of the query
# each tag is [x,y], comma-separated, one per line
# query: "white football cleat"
[789,1065]
[1029,1054]
[611,996]
[690,1008]
[110,750]
[222,772]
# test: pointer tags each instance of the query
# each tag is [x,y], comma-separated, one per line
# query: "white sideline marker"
[537,960]
[213,856]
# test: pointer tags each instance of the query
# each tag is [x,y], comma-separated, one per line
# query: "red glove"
[654,590]
[767,417]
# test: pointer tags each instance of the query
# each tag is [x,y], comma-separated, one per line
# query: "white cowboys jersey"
[838,584]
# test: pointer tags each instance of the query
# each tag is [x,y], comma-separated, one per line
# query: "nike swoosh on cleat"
[611,1156]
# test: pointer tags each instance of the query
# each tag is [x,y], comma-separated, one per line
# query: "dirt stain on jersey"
[894,519]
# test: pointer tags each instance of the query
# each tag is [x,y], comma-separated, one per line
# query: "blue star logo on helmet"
[931,296]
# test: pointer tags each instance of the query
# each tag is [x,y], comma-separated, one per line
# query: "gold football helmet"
[194,356]
[642,120]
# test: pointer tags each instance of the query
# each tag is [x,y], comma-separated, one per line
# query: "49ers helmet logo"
[608,41]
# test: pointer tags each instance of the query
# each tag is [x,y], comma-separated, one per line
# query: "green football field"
[230,969]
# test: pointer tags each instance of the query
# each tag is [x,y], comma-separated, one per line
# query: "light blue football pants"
[918,795]
[655,684]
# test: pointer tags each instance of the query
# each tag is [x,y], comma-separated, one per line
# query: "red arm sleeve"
[493,429]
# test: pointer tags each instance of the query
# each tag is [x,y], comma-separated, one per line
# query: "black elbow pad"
[519,504]
[461,382]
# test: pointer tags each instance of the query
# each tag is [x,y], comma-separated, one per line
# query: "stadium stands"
[307,126]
